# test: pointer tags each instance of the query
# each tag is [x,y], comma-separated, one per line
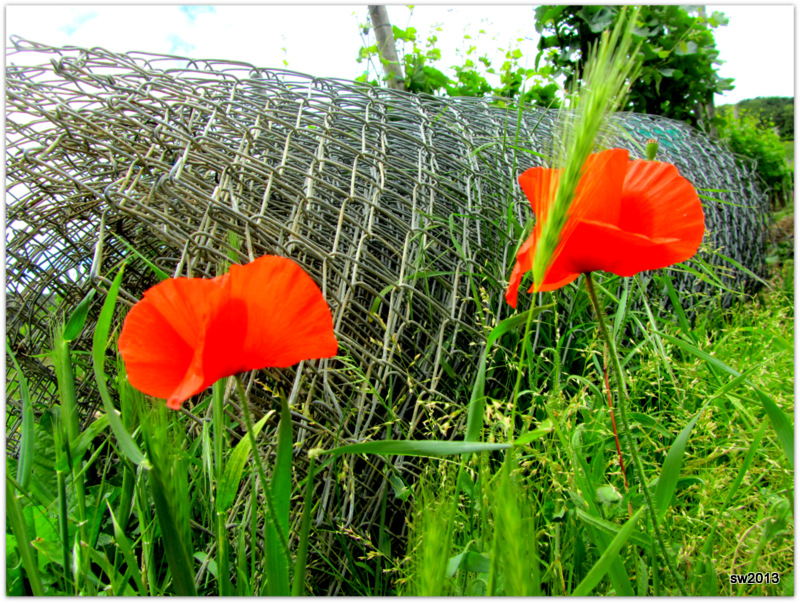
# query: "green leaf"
[17,523]
[26,436]
[430,448]
[685,48]
[212,565]
[469,561]
[282,472]
[671,470]
[78,318]
[124,546]
[780,423]
[514,322]
[99,344]
[592,579]
[545,428]
[228,487]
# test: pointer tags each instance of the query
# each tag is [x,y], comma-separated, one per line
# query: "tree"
[386,47]
[421,64]
[678,55]
[777,111]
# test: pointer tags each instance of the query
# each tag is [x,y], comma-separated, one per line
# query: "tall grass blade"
[671,469]
[609,528]
[99,344]
[277,564]
[63,503]
[25,464]
[178,558]
[124,546]
[415,448]
[168,484]
[228,486]
[477,401]
[282,472]
[26,551]
[746,463]
[677,308]
[302,548]
[70,422]
[160,274]
[611,552]
[215,468]
[514,322]
[541,431]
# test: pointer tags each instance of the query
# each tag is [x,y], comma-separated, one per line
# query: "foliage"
[425,74]
[678,54]
[751,136]
[772,111]
[549,522]
[568,495]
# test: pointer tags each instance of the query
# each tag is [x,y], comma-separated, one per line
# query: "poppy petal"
[539,185]
[597,196]
[626,217]
[598,246]
[658,202]
[269,312]
[288,319]
[162,331]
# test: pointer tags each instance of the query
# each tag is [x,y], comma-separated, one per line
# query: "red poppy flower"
[626,217]
[187,333]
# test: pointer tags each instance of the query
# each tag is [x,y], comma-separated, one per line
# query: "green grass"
[561,501]
[729,510]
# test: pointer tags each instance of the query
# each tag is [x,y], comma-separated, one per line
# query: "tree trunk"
[386,48]
[710,111]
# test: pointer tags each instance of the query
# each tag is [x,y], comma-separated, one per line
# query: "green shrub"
[747,136]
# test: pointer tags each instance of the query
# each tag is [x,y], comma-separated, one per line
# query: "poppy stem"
[260,466]
[623,415]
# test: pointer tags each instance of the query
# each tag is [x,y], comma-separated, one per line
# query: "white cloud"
[324,40]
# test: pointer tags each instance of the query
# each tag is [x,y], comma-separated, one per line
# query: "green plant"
[678,54]
[772,111]
[425,74]
[746,135]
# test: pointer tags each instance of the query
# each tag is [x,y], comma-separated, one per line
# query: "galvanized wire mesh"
[392,202]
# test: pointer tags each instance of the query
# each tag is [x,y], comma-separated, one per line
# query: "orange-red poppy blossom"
[626,217]
[187,333]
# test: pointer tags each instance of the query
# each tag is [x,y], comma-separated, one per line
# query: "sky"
[324,40]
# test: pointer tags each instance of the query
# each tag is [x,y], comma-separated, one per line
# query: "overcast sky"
[323,40]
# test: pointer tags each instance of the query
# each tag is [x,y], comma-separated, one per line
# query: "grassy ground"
[544,518]
[731,512]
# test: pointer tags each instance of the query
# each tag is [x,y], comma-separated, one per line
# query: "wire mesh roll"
[396,204]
